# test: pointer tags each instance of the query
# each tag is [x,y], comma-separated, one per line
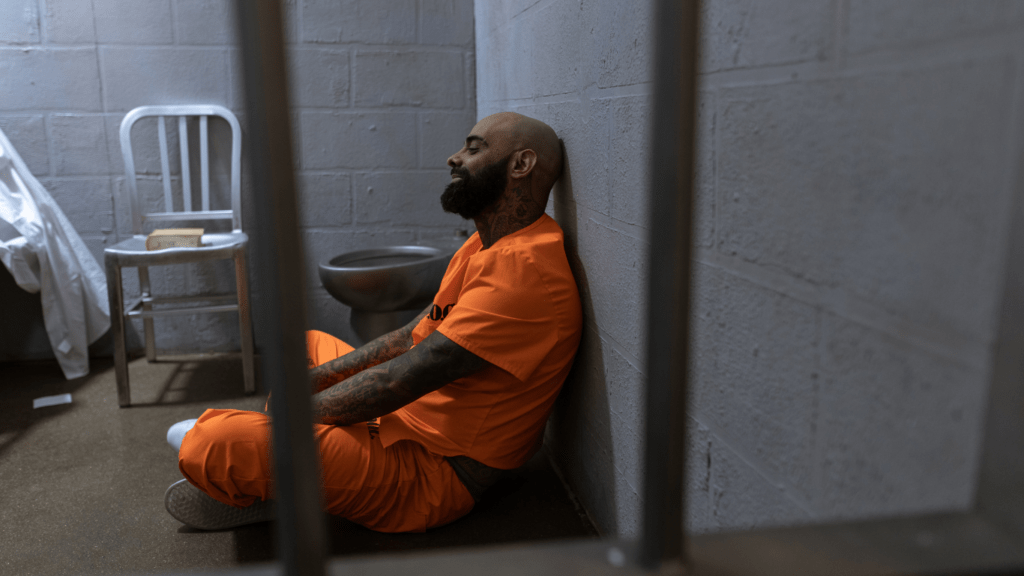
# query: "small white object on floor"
[176,433]
[51,400]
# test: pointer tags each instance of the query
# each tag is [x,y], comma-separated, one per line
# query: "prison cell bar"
[668,292]
[301,527]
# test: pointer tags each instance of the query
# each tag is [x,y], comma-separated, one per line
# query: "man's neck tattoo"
[515,210]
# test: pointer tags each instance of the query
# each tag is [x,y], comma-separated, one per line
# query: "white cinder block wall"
[855,166]
[382,92]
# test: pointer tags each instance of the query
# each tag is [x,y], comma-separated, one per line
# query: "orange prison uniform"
[515,305]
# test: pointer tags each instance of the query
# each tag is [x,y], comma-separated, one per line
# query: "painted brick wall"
[854,170]
[382,92]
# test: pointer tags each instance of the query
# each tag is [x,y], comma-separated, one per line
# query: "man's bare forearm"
[388,346]
[387,387]
[361,397]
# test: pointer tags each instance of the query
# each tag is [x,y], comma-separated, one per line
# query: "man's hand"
[388,346]
[382,389]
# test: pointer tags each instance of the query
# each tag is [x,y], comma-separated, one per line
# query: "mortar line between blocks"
[841,32]
[417,17]
[48,132]
[99,58]
[785,486]
[41,22]
[715,200]
[957,348]
[173,6]
[900,58]
[617,346]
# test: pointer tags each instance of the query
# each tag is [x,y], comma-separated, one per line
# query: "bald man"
[413,427]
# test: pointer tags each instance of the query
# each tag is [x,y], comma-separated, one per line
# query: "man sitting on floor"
[412,427]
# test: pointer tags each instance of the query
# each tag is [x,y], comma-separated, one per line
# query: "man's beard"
[472,194]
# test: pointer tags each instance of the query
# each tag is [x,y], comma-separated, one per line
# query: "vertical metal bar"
[147,323]
[186,173]
[236,175]
[124,133]
[668,295]
[115,295]
[204,164]
[245,322]
[301,526]
[165,164]
[1001,474]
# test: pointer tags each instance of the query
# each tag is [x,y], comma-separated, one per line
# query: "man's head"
[504,151]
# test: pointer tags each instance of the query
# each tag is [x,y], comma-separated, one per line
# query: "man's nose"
[452,162]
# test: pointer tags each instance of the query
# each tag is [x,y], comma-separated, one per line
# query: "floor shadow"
[530,505]
[83,483]
[23,335]
[256,543]
[187,379]
[111,466]
[579,430]
[23,382]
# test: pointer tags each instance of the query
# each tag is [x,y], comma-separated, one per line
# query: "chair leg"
[115,296]
[245,323]
[147,323]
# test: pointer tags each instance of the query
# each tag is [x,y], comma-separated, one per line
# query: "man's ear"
[523,163]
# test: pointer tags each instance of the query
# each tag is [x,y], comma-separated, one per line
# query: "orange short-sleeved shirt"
[517,306]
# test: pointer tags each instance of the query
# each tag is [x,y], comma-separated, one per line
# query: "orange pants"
[401,488]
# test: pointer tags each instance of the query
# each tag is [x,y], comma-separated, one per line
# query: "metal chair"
[215,246]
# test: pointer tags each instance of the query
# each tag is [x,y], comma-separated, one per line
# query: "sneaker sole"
[192,507]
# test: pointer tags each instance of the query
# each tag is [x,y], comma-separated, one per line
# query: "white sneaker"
[193,507]
[176,433]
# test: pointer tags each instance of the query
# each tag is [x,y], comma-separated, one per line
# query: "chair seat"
[215,246]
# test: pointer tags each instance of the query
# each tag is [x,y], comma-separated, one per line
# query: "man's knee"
[226,455]
[197,443]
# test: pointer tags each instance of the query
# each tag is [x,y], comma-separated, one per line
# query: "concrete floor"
[83,483]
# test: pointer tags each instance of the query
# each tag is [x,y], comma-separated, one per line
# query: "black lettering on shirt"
[438,313]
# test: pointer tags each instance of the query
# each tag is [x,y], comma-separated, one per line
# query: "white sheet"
[49,257]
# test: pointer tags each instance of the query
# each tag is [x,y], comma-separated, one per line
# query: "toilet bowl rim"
[431,252]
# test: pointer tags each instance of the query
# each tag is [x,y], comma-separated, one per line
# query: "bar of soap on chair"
[174,238]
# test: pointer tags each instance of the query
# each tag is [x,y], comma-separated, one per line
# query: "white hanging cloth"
[49,257]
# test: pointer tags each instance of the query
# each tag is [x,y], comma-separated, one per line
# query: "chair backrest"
[182,112]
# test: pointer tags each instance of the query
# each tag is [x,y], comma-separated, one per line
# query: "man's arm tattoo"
[384,348]
[382,389]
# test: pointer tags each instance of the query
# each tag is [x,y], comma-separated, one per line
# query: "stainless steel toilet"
[385,287]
